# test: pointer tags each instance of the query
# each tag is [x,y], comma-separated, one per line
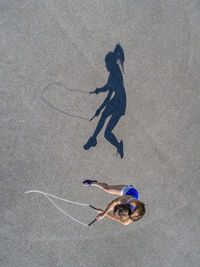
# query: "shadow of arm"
[103,89]
[107,99]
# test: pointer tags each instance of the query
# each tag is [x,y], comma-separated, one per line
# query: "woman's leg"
[111,189]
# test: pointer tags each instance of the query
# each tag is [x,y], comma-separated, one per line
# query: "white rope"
[37,191]
[47,196]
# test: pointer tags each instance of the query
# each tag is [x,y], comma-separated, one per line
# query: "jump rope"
[68,89]
[120,55]
[47,195]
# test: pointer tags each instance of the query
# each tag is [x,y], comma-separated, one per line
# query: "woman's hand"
[99,210]
[100,216]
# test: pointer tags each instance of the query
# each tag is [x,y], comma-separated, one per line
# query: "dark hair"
[122,210]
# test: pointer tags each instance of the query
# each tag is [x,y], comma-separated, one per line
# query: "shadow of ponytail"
[119,54]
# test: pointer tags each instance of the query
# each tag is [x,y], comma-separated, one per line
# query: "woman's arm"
[109,208]
[111,205]
[117,219]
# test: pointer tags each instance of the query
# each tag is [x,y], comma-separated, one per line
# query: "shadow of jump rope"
[59,110]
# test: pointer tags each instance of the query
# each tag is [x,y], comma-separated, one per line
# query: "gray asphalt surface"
[44,42]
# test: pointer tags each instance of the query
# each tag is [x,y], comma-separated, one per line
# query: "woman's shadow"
[114,107]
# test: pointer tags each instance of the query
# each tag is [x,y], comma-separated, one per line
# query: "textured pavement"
[46,42]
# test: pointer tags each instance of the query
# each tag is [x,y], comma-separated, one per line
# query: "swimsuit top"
[132,207]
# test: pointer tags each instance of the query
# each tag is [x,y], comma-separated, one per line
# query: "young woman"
[126,208]
[115,106]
